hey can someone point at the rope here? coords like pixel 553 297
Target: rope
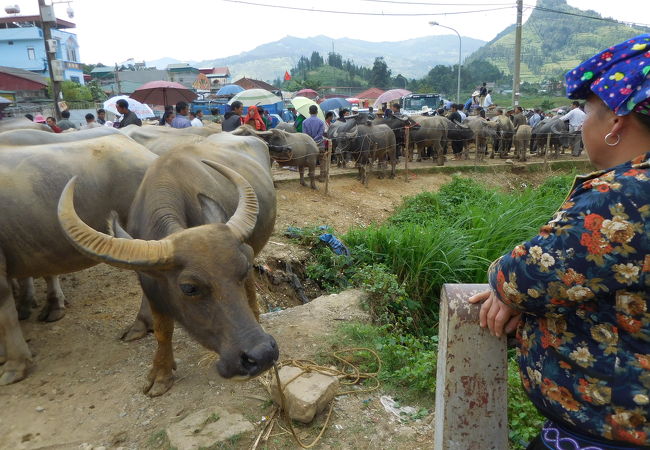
pixel 349 377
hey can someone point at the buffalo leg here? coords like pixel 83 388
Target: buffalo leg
pixel 54 308
pixel 142 325
pixel 312 176
pixel 18 358
pixel 301 171
pixel 161 376
pixel 25 299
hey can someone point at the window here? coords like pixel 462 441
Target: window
pixel 10 42
pixel 75 79
pixel 31 54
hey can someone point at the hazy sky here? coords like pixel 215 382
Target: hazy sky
pixel 111 31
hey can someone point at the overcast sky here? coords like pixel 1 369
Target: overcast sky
pixel 113 31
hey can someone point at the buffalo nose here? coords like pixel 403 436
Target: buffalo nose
pixel 261 357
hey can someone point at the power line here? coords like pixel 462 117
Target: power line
pixel 352 13
pixel 603 19
pixel 438 4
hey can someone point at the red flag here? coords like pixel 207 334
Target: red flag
pixel 287 76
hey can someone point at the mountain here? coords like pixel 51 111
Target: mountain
pixel 162 63
pixel 412 58
pixel 554 43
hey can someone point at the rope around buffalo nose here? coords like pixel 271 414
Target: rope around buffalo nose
pixel 349 377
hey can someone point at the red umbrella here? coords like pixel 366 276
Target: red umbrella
pixel 162 93
pixel 309 93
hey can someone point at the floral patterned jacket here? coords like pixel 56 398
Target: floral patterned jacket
pixel 584 288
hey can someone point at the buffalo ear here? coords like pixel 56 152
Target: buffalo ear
pixel 211 211
pixel 114 227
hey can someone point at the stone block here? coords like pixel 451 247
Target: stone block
pixel 206 429
pixel 305 396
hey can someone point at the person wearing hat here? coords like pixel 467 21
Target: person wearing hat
pixel 425 111
pixel 39 118
pixel 355 109
pixel 578 293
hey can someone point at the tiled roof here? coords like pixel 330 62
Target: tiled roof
pixel 26 74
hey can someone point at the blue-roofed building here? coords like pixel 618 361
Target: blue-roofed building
pixel 22 46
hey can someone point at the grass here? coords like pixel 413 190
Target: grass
pixel 450 236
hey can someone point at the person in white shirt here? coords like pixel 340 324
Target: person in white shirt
pixel 576 118
pixel 463 116
pixel 90 122
pixel 196 118
pixel 487 102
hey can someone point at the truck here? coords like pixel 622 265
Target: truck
pixel 412 103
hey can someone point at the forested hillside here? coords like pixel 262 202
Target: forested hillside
pixel 553 43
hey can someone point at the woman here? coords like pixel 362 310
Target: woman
pixel 254 119
pixel 578 292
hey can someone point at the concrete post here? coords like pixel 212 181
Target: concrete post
pixel 472 377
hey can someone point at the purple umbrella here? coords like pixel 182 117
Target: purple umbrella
pixel 163 93
pixel 391 95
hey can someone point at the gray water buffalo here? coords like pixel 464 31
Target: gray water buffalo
pixel 431 134
pixel 556 129
pixel 160 140
pixel 460 135
pixel 289 149
pixel 192 240
pixel 39 137
pixel 522 141
pixel 286 126
pixel 109 170
pixel 22 123
pixel 505 133
pixel 484 131
pixel 398 123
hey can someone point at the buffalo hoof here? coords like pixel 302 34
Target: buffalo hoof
pixel 320 179
pixel 314 187
pixel 24 311
pixel 302 183
pixel 14 372
pixel 51 313
pixel 159 381
pixel 3 355
pixel 137 330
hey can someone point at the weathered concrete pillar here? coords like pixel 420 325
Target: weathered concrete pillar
pixel 472 377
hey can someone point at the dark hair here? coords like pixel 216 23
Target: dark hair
pixel 482 113
pixel 169 108
pixel 396 106
pixel 484 83
pixel 90 116
pixel 643 119
pixel 370 109
pixel 180 106
pixel 576 103
pixel 260 110
pixel 489 91
pixel 101 110
pixel 122 103
pixel 65 114
pixel 214 111
pixel 236 105
pixel 50 117
pixel 192 113
pixel 519 108
pixel 30 117
pixel 329 114
pixel 313 109
pixel 343 111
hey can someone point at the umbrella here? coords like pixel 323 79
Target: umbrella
pixel 254 97
pixel 309 93
pixel 353 100
pixel 229 89
pixel 391 95
pixel 140 110
pixel 335 103
pixel 163 93
pixel 302 105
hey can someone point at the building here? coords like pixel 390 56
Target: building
pixel 249 83
pixel 20 85
pixel 22 46
pixel 218 76
pixel 182 73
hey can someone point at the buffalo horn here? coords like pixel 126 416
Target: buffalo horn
pixel 243 221
pixel 125 253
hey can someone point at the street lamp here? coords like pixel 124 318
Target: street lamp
pixel 460 50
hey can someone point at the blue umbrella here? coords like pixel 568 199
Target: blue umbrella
pixel 335 103
pixel 230 89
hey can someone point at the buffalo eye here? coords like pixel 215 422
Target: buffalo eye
pixel 190 289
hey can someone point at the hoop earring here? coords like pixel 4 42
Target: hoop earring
pixel 609 135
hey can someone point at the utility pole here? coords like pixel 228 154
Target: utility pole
pixel 47 13
pixel 516 79
pixel 117 80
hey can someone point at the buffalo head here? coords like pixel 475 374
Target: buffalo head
pixel 275 139
pixel 200 276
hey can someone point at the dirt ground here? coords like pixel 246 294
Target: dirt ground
pixel 86 385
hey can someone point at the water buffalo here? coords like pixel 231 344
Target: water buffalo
pixel 39 137
pixel 505 133
pixel 108 169
pixel 286 126
pixel 22 123
pixel 431 134
pixel 192 241
pixel 522 141
pixel 289 149
pixel 459 134
pixel 484 130
pixel 160 140
pixel 557 129
pixel 398 123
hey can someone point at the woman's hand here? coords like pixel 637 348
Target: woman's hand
pixel 496 315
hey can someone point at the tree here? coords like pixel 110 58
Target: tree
pixel 380 73
pixel 96 90
pixel 316 60
pixel 335 60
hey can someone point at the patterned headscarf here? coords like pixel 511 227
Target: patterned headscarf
pixel 619 75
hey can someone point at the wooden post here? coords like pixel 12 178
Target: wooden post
pixel 327 162
pixel 407 154
pixel 472 377
pixel 548 149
